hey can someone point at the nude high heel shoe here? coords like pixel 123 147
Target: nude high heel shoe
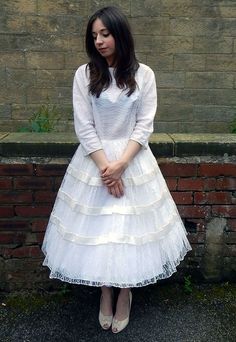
pixel 118 326
pixel 105 321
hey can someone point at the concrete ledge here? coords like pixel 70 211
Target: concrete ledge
pixel 162 145
pixel 38 145
pixel 204 144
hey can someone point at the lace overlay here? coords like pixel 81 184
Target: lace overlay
pixel 168 270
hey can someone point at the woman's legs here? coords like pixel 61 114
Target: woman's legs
pixel 121 318
pixel 106 301
pixel 123 306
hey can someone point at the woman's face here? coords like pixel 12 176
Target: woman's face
pixel 103 41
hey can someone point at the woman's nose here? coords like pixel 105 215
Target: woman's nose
pixel 99 39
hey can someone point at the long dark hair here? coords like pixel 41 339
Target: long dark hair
pixel 125 61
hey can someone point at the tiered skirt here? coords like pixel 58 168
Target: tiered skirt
pixel 96 239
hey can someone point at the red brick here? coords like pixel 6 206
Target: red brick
pixel 209 183
pixel 198 237
pixel 226 183
pixel 25 251
pixel 6 212
pixel 6 183
pixel 9 238
pixel 194 211
pixel 33 211
pixel 171 183
pixel 16 197
pixel 57 183
pixel 16 169
pixel 14 225
pixel 182 197
pixel 39 225
pixel 44 196
pixel 40 237
pixel 33 183
pixel 217 170
pixel 190 184
pixel 200 224
pixel 213 197
pixel 224 210
pixel 50 169
pixel 183 170
pixel 231 224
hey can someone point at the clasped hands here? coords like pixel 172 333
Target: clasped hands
pixel 111 177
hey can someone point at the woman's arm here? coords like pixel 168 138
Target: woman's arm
pixel 99 159
pixel 83 114
pixel 147 109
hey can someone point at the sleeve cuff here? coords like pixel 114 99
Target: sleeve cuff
pixel 143 144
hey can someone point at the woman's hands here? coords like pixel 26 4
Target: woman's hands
pixel 117 190
pixel 111 171
pixel 111 177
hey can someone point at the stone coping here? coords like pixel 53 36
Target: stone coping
pixel 161 144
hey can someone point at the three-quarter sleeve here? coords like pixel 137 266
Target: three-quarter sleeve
pixel 146 110
pixel 83 114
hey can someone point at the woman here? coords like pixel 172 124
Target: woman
pixel 114 222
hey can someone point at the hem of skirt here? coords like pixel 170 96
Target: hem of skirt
pixel 153 280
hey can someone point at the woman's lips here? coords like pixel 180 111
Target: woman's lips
pixel 102 49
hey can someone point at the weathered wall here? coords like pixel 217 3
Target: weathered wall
pixel 190 44
pixel 200 173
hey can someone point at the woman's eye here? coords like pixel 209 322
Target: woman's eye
pixel 105 35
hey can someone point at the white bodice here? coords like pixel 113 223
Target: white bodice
pixel 114 115
pixel 114 112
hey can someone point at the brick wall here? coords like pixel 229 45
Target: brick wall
pixel 203 186
pixel 191 46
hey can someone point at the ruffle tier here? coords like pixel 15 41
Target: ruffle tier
pixel 96 239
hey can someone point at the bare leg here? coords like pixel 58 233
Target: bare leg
pixel 106 301
pixel 122 306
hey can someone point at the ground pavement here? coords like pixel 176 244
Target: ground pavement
pixel 161 312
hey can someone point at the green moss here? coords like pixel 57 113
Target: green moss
pixel 206 293
pixel 28 302
pixel 200 293
pixel 25 302
pixel 220 291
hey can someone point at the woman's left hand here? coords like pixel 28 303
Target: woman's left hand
pixel 111 173
pixel 117 190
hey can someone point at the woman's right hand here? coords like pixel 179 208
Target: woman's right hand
pixel 116 190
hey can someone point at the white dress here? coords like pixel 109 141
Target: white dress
pixel 92 237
